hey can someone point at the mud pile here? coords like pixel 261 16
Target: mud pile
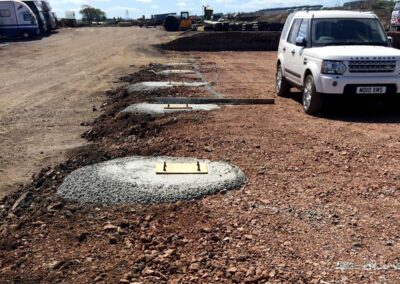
pixel 225 41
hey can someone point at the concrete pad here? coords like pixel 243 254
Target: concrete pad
pixel 158 109
pixel 162 85
pixel 174 64
pixel 189 84
pixel 134 180
pixel 176 72
pixel 148 86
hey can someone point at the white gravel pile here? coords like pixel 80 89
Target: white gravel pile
pixel 149 86
pixel 159 109
pixel 179 64
pixel 175 72
pixel 153 86
pixel 134 180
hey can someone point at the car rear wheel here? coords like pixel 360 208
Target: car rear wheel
pixel 312 102
pixel 282 85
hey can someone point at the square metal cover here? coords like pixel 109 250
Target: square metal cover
pixel 181 168
pixel 178 106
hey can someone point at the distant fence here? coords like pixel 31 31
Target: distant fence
pixel 236 41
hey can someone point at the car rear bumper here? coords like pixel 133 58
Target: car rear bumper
pixel 348 85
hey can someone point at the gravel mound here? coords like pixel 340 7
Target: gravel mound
pixel 157 109
pixel 134 180
pixel 174 64
pixel 148 86
pixel 174 72
pixel 153 86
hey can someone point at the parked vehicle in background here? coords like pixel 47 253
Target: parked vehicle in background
pixel 395 22
pixel 173 23
pixel 53 18
pixel 159 19
pixel 36 7
pixel 51 23
pixel 17 19
pixel 336 53
pixel 69 20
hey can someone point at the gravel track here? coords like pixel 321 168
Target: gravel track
pixel 49 86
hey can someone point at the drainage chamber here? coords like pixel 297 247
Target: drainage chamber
pixel 139 180
pixel 159 109
pixel 162 85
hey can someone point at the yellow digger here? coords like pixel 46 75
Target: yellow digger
pixel 186 22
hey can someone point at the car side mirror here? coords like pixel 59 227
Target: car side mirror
pixel 390 40
pixel 301 41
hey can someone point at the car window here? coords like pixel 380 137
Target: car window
pixel 347 31
pixel 4 13
pixel 303 30
pixel 397 6
pixel 294 31
pixel 28 17
pixel 287 26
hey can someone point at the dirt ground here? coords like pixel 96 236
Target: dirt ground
pixel 320 204
pixel 49 86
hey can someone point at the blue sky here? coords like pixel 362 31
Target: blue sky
pixel 137 8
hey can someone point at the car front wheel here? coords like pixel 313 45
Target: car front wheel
pixel 312 102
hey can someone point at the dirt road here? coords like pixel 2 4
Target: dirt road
pixel 48 87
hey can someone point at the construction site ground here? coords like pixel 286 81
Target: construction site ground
pixel 48 87
pixel 320 204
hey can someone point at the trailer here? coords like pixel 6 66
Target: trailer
pixel 50 20
pixel 54 20
pixel 17 19
pixel 37 9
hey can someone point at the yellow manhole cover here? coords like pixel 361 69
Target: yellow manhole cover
pixel 178 106
pixel 181 168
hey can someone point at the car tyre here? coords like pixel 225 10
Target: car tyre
pixel 282 85
pixel 312 102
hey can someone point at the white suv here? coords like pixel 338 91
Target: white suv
pixel 336 52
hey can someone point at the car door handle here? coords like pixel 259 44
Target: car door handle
pixel 284 49
pixel 293 52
